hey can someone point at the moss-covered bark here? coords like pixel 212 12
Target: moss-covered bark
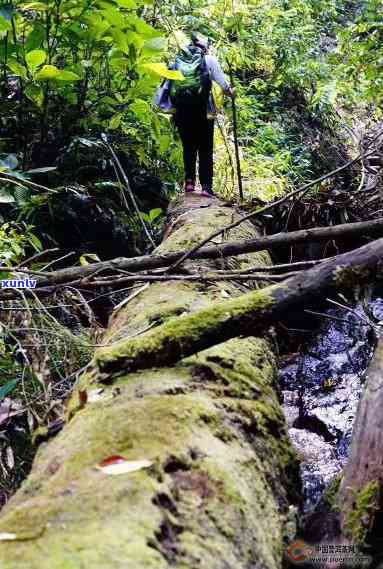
pixel 223 469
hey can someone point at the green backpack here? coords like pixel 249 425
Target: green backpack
pixel 194 90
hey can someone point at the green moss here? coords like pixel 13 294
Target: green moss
pixel 361 518
pixel 330 495
pixel 242 368
pixel 351 277
pixel 180 337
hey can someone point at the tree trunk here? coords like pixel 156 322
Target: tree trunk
pixel 360 494
pixel 223 471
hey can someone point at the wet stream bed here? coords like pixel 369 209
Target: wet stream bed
pixel 321 387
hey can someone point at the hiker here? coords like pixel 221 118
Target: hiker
pixel 195 110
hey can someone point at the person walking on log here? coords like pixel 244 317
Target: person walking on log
pixel 195 110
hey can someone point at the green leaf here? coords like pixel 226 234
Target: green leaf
pixel 115 17
pixel 115 121
pixel 7 388
pixel 87 258
pixel 17 68
pixel 35 38
pixel 5 25
pixel 129 4
pixel 47 72
pixel 35 58
pixel 65 75
pixel 35 242
pixel 154 213
pixel 35 94
pixel 97 25
pixel 154 45
pixel 141 109
pixel 144 29
pixel 120 40
pixel 163 71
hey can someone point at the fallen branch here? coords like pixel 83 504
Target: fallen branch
pixel 231 248
pixel 246 315
pixel 203 277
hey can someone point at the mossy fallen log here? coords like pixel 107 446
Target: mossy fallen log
pixel 223 471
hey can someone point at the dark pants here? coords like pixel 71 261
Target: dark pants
pixel 197 136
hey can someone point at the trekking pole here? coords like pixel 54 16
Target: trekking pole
pixel 235 132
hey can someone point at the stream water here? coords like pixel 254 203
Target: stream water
pixel 321 388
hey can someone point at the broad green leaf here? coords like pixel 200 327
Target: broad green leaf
pixel 7 388
pixel 134 39
pixel 163 71
pixel 17 68
pixel 144 29
pixel 64 75
pixel 114 17
pixel 154 45
pixel 35 38
pixel 154 213
pixel 35 94
pixel 98 25
pixel 47 72
pixel 120 40
pixel 35 58
pixel 164 142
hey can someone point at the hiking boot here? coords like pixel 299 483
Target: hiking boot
pixel 189 186
pixel 207 192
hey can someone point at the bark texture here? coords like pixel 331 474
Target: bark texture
pixel 360 493
pixel 223 474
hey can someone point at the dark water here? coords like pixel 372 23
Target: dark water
pixel 321 389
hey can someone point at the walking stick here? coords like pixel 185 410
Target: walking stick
pixel 235 132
